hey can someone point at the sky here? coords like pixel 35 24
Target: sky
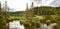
pixel 20 5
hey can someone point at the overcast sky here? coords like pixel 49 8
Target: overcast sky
pixel 20 5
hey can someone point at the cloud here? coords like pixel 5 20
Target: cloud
pixel 55 3
pixel 20 5
pixel 43 2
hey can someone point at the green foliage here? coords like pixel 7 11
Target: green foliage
pixel 35 22
pixel 48 22
pixel 18 13
pixel 44 10
pixel 25 22
pixel 2 22
pixel 31 22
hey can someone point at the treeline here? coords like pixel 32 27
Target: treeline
pixel 18 13
pixel 44 10
pixel 50 13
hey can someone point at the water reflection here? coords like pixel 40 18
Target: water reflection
pixel 15 25
pixel 44 26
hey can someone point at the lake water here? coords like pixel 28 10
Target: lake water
pixel 16 25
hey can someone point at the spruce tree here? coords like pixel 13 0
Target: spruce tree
pixel 0 17
pixel 2 20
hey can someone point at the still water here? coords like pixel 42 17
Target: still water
pixel 15 25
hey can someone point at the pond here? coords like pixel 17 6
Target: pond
pixel 15 25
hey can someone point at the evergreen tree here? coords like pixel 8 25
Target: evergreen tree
pixel 1 20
